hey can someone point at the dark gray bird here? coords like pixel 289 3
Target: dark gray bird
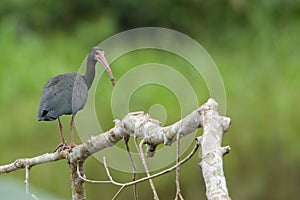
pixel 66 94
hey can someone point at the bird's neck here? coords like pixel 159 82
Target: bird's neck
pixel 90 72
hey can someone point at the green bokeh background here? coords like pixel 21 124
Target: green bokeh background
pixel 254 44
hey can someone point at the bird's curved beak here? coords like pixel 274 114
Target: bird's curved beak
pixel 101 58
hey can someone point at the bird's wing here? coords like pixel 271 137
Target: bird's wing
pixel 63 94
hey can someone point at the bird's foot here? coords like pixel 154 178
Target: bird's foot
pixel 69 148
pixel 61 147
pixel 64 146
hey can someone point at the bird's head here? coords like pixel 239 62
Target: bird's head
pixel 98 55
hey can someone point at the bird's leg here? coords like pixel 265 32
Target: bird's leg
pixel 61 131
pixel 72 143
pixel 63 145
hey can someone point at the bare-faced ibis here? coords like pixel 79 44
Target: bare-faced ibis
pixel 66 94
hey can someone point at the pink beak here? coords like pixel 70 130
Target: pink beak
pixel 103 60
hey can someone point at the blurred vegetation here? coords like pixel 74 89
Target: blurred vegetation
pixel 254 43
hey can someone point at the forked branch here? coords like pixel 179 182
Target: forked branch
pixel 139 124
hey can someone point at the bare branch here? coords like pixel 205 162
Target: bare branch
pixel 27 170
pixel 126 139
pixel 30 162
pixel 27 179
pixel 123 185
pixel 147 169
pixel 118 192
pixel 178 190
pixel 214 126
pixel 111 180
pixel 88 180
pixel 139 124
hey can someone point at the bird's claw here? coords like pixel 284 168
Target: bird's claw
pixel 61 147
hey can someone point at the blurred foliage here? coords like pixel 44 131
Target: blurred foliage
pixel 254 44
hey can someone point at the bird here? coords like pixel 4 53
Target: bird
pixel 66 94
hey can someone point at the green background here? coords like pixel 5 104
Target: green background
pixel 253 43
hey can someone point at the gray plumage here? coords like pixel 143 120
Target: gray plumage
pixel 66 94
pixel 62 95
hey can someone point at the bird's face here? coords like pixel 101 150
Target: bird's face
pixel 99 56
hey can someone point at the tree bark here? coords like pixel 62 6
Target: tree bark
pixel 139 124
pixel 78 186
pixel 214 126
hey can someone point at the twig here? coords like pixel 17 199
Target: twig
pixel 159 173
pixel 108 173
pixel 89 180
pixel 126 184
pixel 27 168
pixel 147 169
pixel 135 195
pixel 118 192
pixel 178 190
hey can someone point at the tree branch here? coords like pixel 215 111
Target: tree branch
pixel 111 180
pixel 139 124
pixel 214 126
pixel 30 162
